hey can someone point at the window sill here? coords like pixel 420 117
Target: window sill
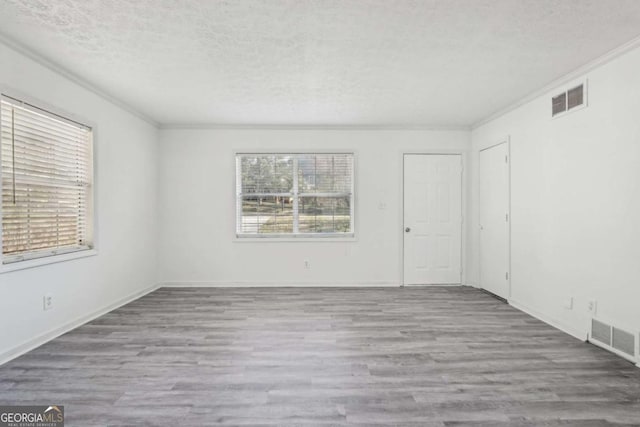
pixel 298 239
pixel 37 262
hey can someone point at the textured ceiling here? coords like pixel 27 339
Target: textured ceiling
pixel 320 62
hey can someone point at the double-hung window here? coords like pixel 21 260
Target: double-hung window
pixel 294 195
pixel 46 163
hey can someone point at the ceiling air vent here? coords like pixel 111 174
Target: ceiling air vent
pixel 568 100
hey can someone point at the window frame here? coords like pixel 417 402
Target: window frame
pixel 63 254
pixel 295 237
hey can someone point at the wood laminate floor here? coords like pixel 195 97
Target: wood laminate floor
pixel 324 356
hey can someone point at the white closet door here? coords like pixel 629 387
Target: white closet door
pixel 432 219
pixel 494 220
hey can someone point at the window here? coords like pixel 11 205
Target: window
pixel 294 195
pixel 46 183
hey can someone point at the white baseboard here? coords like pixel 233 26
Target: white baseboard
pixel 278 284
pixel 33 343
pixel 576 333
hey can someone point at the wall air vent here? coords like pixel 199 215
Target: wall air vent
pixel 614 339
pixel 569 100
pixel 575 97
pixel 559 103
pixel 623 341
pixel 601 332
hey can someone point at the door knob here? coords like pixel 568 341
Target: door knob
pixel 407 229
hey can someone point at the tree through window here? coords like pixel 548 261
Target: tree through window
pixel 294 194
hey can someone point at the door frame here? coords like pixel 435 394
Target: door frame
pixel 463 224
pixel 505 140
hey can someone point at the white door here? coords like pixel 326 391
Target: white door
pixel 494 219
pixel 432 219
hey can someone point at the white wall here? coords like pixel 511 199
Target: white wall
pixel 126 188
pixel 575 209
pixel 197 206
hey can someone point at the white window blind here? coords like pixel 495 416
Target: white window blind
pixel 46 183
pixel 292 195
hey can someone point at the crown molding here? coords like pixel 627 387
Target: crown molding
pixel 350 127
pixel 578 72
pixel 71 76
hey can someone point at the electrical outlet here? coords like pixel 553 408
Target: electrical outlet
pixel 382 206
pixel 47 302
pixel 592 307
pixel 307 264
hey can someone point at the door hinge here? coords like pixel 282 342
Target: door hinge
pixel 506 159
pixel 506 275
pixel 506 217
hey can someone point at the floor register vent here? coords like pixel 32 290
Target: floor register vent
pixel 613 339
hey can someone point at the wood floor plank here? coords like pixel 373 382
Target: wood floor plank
pixel 434 357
